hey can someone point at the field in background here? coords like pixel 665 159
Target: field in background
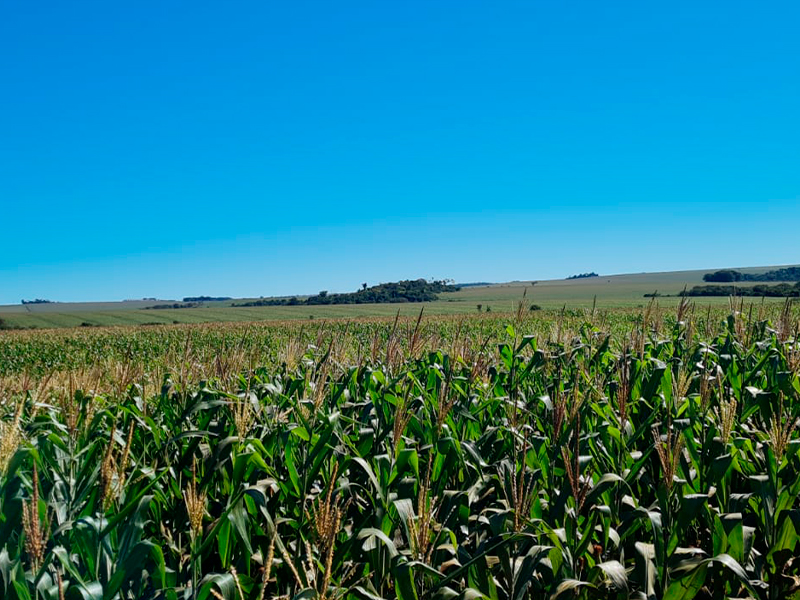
pixel 610 291
pixel 618 453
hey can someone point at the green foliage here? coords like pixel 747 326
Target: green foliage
pixel 729 275
pixel 658 460
pixel 173 305
pixel 416 290
pixel 780 290
pixel 723 276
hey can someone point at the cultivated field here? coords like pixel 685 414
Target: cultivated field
pixel 606 292
pixel 609 453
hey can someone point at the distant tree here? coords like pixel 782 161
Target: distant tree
pixel 488 309
pixel 480 306
pixel 363 286
pixel 173 305
pixel 206 298
pixel 724 276
pixel 400 291
pixel 781 290
pixel 729 275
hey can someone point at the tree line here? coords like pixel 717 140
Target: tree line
pixel 410 290
pixel 730 275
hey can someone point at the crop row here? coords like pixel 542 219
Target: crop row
pixel 658 460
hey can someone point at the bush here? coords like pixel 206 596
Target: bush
pixel 723 276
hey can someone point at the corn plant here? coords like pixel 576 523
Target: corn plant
pixel 509 457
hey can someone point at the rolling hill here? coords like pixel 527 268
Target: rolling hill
pixel 624 290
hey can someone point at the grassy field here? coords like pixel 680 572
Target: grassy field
pixel 609 291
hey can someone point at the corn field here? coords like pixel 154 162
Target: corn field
pixel 512 457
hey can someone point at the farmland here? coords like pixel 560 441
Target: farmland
pixel 624 291
pixel 577 453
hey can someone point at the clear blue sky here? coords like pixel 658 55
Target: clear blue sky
pixel 257 148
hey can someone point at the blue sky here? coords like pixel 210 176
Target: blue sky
pixel 256 148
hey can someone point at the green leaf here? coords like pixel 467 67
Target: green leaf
pixel 89 591
pixel 604 483
pixel 223 582
pixel 687 587
pixel 570 585
pixel 613 574
pixel 129 570
pixel 371 476
pixel 238 517
pixel 21 590
pixel 224 542
pixel 370 534
pixel 404 583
